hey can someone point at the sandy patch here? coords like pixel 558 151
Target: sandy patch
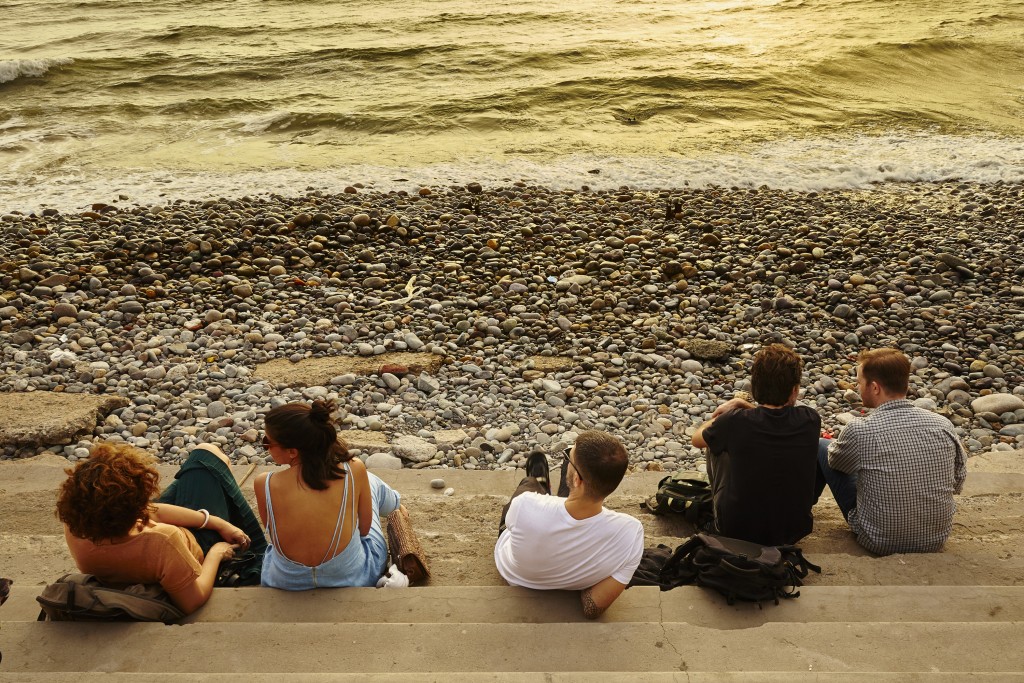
pixel 319 371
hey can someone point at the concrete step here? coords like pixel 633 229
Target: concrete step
pixel 458 532
pixel 509 605
pixel 244 648
pixel 864 618
pixel 525 677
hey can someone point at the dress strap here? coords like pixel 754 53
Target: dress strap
pixel 271 526
pixel 332 547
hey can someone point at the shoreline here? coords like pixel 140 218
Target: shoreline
pixel 175 307
pixel 852 161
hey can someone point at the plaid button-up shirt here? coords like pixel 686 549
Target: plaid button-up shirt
pixel 909 463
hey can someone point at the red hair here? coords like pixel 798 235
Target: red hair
pixel 108 494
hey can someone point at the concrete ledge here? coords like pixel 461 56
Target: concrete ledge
pixel 993 483
pixel 458 532
pixel 431 648
pixel 511 605
pixel 527 677
pixel 48 418
pixel 46 472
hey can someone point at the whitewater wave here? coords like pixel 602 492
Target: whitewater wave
pixel 260 123
pixel 29 68
pixel 854 163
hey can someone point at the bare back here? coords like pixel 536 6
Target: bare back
pixel 306 519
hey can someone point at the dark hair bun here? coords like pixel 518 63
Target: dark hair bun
pixel 320 412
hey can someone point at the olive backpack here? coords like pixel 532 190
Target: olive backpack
pixel 81 597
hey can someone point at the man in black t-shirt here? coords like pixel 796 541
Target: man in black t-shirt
pixel 763 460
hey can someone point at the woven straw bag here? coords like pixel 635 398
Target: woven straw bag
pixel 405 548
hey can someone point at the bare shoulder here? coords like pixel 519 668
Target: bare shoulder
pixel 259 484
pixel 357 467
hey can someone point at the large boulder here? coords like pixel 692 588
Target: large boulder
pixel 705 349
pixel 383 461
pixel 997 403
pixel 366 441
pixel 320 371
pixel 50 418
pixel 413 448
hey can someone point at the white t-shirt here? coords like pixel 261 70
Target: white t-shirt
pixel 544 547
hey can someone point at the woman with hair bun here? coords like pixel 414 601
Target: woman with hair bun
pixel 322 513
pixel 116 531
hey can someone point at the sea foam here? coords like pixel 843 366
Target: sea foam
pixel 29 68
pixel 857 162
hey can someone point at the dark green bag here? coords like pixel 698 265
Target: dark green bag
pixel 685 495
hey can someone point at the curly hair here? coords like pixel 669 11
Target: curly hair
pixel 106 495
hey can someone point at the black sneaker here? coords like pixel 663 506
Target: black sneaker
pixel 537 467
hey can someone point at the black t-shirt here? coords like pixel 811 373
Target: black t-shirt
pixel 762 465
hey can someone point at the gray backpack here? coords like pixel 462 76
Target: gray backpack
pixel 81 597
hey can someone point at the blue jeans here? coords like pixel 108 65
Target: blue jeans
pixel 385 501
pixel 842 485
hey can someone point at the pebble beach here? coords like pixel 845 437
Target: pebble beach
pixel 542 312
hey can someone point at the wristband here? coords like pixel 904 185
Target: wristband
pixel 206 518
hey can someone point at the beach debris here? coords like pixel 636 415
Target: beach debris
pixel 410 293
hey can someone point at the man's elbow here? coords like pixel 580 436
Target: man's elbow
pixel 591 610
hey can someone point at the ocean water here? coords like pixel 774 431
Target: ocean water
pixel 160 99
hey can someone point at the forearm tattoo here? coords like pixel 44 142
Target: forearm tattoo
pixel 590 608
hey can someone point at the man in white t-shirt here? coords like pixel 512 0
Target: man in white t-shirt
pixel 573 543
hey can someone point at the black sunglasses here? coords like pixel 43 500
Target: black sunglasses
pixel 569 460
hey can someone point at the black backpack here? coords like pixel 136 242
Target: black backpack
pixel 81 597
pixel 688 496
pixel 737 569
pixel 648 572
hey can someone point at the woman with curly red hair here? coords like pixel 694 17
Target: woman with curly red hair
pixel 116 531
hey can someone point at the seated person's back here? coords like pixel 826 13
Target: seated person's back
pixel 313 526
pixel 763 464
pixel 894 473
pixel 572 542
pixel 906 478
pixel 116 530
pixel 545 547
pixel 322 513
pixel 762 460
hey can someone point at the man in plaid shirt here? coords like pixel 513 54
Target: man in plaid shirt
pixel 894 473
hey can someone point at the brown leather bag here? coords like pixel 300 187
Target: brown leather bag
pixel 404 547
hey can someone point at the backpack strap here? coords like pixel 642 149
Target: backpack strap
pixel 679 568
pixel 795 560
